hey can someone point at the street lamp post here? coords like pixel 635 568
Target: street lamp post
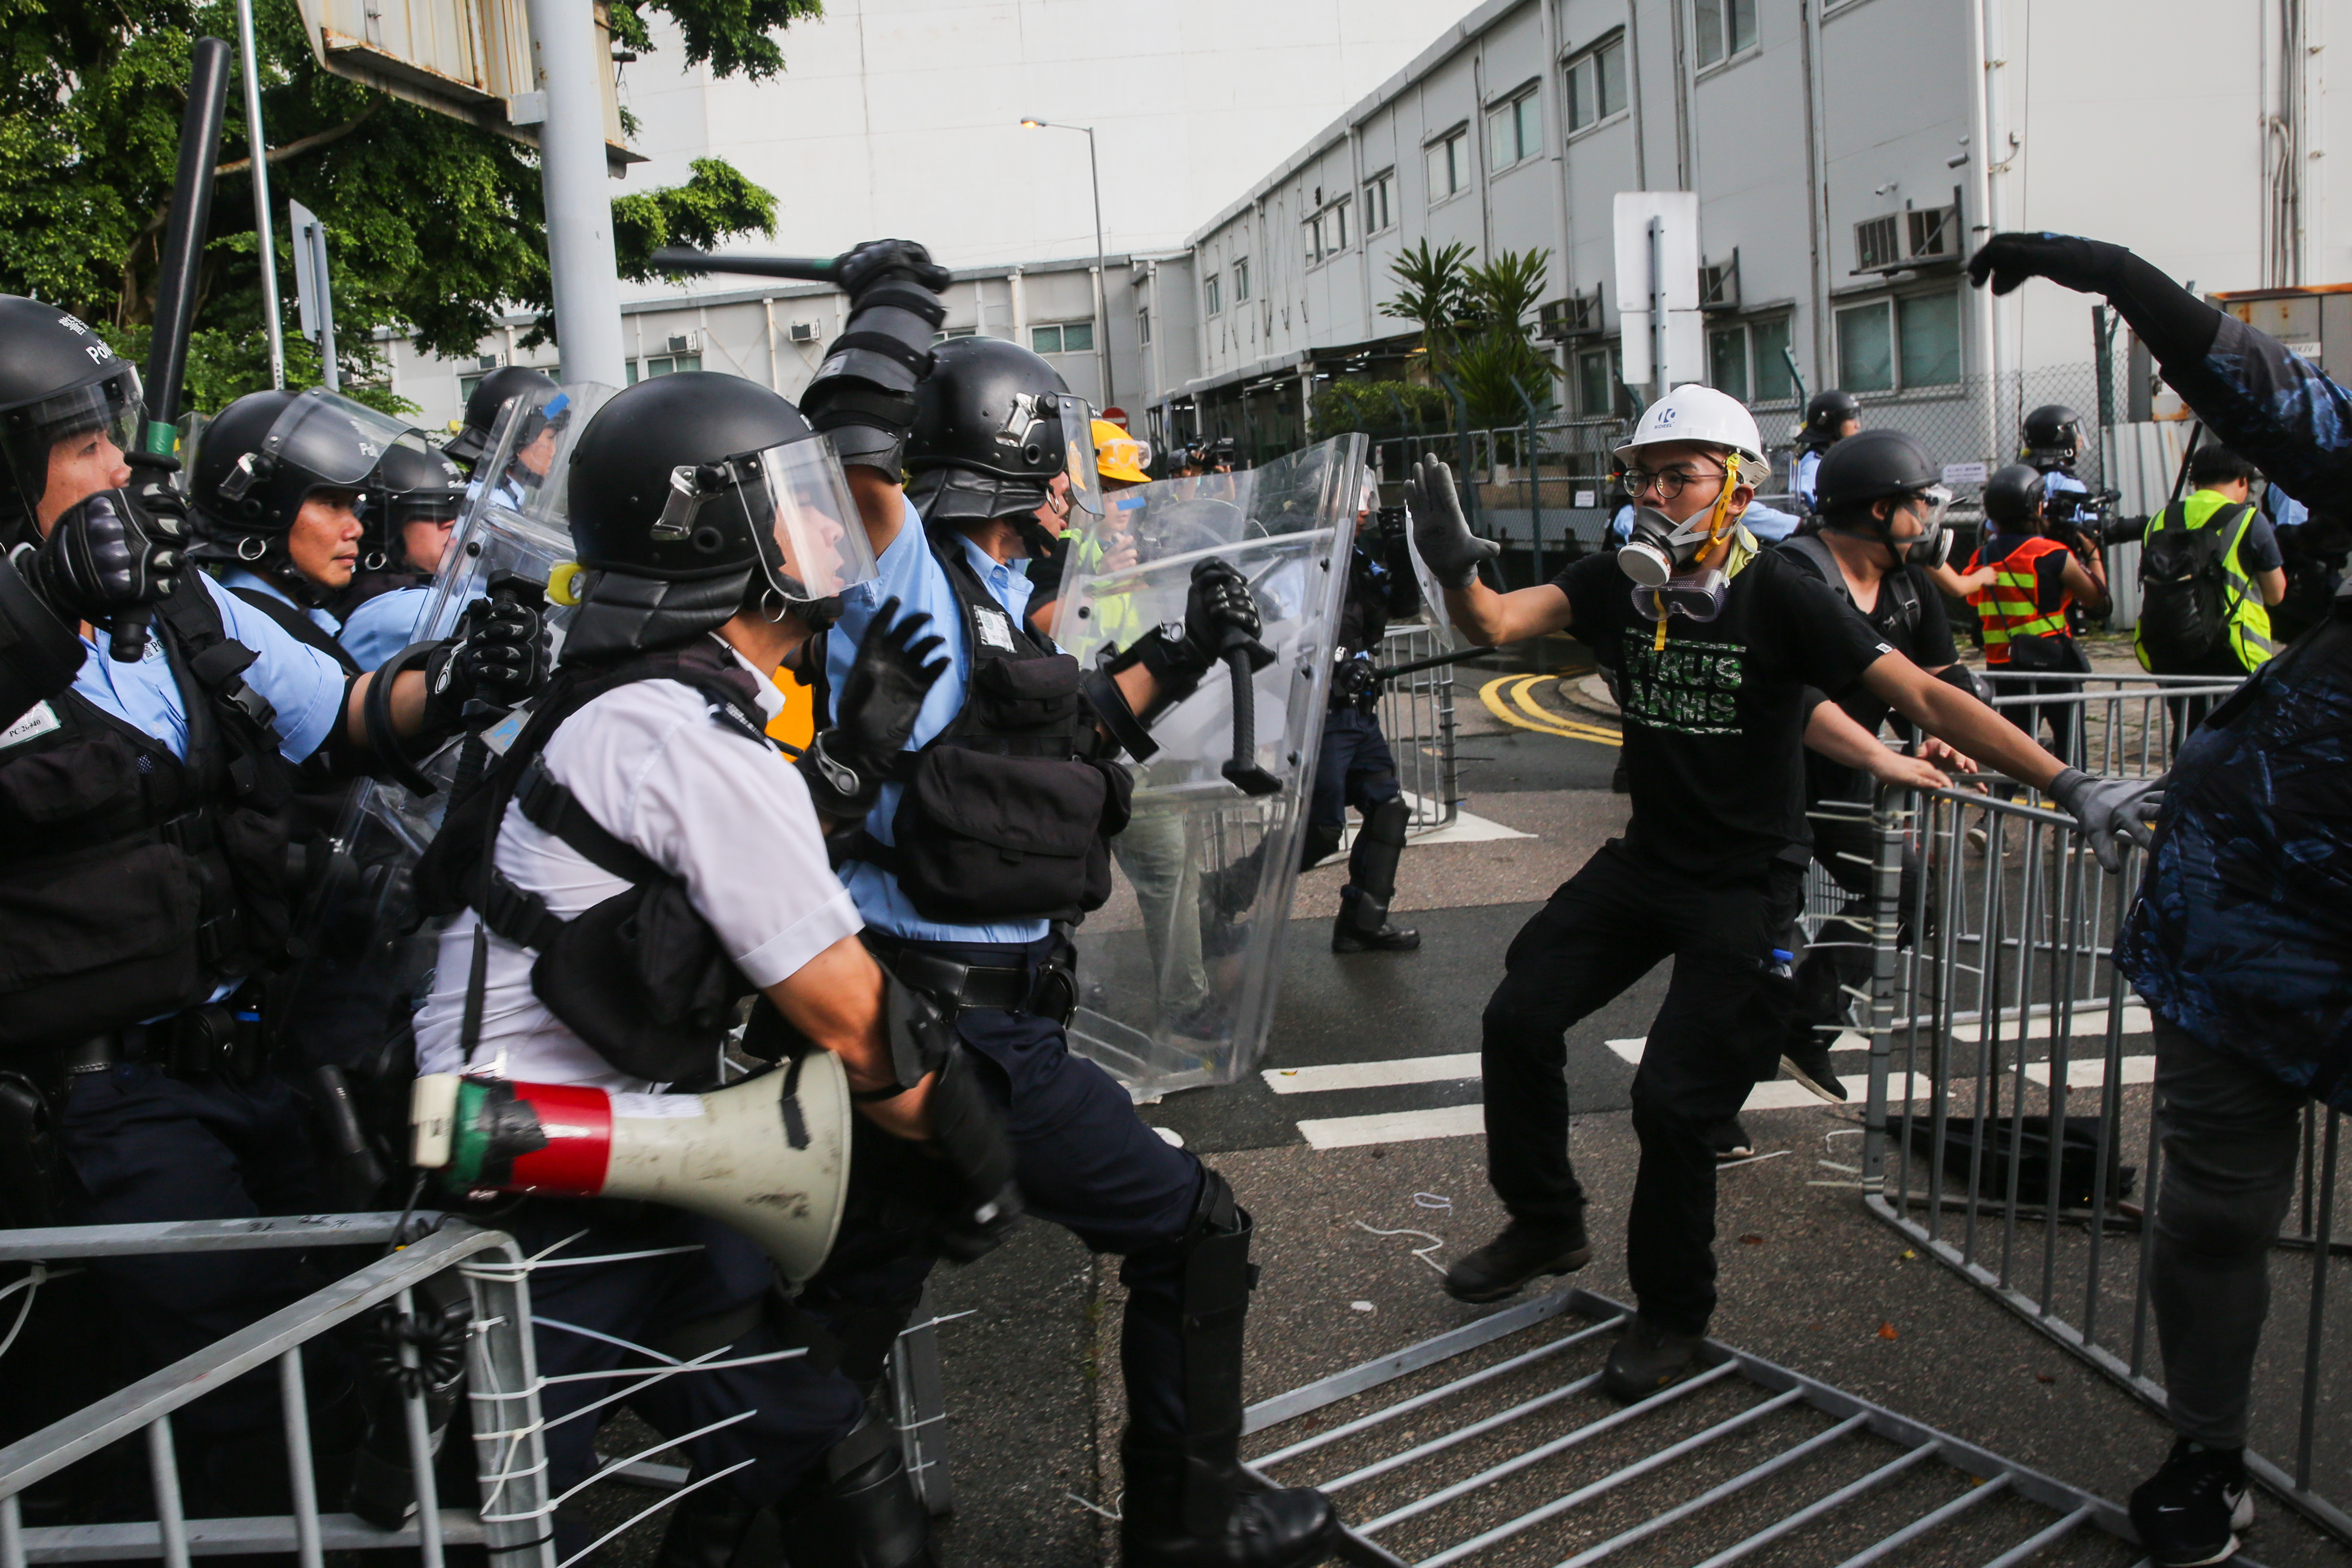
pixel 1102 280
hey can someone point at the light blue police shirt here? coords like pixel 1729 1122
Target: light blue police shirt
pixel 912 575
pixel 306 686
pixel 1800 476
pixel 2058 481
pixel 384 624
pixel 508 492
pixel 239 577
pixel 1769 523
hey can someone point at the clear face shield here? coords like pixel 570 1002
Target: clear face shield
pixel 83 432
pixel 324 434
pixel 795 497
pixel 1077 420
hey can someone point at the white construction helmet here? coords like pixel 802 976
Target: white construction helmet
pixel 1701 413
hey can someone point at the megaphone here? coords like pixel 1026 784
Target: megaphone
pixel 768 1156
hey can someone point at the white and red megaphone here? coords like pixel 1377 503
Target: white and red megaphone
pixel 768 1156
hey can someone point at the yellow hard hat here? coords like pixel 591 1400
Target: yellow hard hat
pixel 1120 456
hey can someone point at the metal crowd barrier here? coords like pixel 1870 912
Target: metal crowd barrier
pixel 2012 1129
pixel 1417 716
pixel 511 1520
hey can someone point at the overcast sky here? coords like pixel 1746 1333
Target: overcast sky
pixel 899 117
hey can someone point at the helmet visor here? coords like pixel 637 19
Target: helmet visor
pixel 89 427
pixel 1079 452
pixel 796 496
pixel 333 440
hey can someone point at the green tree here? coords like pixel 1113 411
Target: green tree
pixel 1474 326
pixel 436 225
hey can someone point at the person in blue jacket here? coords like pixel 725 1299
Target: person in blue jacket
pixel 2240 940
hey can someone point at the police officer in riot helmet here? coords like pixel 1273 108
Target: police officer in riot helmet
pixel 144 822
pixel 1831 416
pixel 407 512
pixel 981 427
pixel 715 528
pixel 471 444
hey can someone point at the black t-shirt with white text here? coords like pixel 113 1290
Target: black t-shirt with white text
pixel 1714 721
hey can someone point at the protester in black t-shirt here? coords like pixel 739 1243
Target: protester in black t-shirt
pixel 1862 487
pixel 1713 663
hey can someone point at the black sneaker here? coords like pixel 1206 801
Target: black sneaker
pixel 2189 1512
pixel 1730 1140
pixel 1526 1248
pixel 1809 1064
pixel 1646 1358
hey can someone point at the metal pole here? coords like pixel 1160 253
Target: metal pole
pixel 1658 382
pixel 581 267
pixel 1535 485
pixel 257 144
pixel 1102 275
pixel 328 372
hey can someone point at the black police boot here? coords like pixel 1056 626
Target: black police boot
pixel 1526 1249
pixel 858 1508
pixel 382 1485
pixel 1188 1504
pixel 1362 926
pixel 2189 1512
pixel 1646 1358
pixel 706 1527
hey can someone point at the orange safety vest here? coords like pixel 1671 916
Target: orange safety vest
pixel 2010 606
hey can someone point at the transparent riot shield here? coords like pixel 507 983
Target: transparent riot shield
pixel 1178 973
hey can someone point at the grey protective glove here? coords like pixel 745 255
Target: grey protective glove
pixel 1440 531
pixel 2110 809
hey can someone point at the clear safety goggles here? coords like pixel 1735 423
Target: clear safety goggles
pixel 326 435
pixel 797 496
pixel 1126 452
pixel 1697 597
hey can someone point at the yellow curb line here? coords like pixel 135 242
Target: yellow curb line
pixel 1535 717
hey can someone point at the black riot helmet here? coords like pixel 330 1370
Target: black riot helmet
pixel 715 485
pixel 413 482
pixel 472 441
pixel 2053 436
pixel 58 380
pixel 2013 499
pixel 1825 415
pixel 257 460
pixel 994 424
pixel 1871 465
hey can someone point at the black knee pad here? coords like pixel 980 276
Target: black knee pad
pixel 858 1508
pixel 1372 863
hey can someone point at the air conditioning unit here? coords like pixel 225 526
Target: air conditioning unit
pixel 1878 243
pixel 1718 284
pixel 488 361
pixel 804 332
pixel 1934 233
pixel 683 343
pixel 1916 236
pixel 1577 316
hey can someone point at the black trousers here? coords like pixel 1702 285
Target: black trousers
pixel 1717 1036
pixel 1085 1160
pixel 2229 1136
pixel 1353 766
pixel 1837 961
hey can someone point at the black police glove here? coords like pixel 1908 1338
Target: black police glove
pixel 2007 260
pixel 847 764
pixel 498 658
pixel 1352 684
pixel 968 1134
pixel 105 557
pixel 1220 614
pixel 884 261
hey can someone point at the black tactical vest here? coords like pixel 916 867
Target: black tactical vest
pixel 133 883
pixel 1008 812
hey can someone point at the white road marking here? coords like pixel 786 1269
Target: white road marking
pixel 1394 1127
pixel 1370 1075
pixel 2093 1074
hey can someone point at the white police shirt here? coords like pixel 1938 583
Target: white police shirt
pixel 727 814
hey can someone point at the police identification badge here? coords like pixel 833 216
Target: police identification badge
pixel 995 629
pixel 39 722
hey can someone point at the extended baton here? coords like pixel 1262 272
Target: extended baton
pixel 801 268
pixel 1389 672
pixel 175 282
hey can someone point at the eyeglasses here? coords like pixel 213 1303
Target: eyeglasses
pixel 1670 482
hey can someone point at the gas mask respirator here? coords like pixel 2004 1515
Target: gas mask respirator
pixel 1657 558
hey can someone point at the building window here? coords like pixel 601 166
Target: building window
pixel 1515 130
pixel 1889 345
pixel 1213 293
pixel 1379 192
pixel 1449 164
pixel 661 365
pixel 1745 359
pixel 1596 384
pixel 1724 28
pixel 1596 83
pixel 1241 280
pixel 1065 338
pixel 1143 325
pixel 1327 232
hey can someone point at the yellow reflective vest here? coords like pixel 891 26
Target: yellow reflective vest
pixel 2250 618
